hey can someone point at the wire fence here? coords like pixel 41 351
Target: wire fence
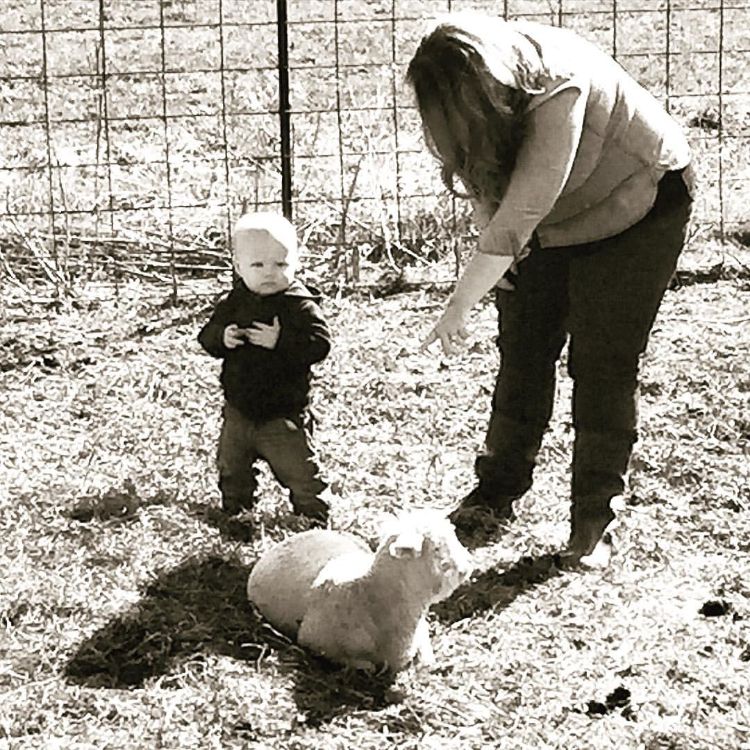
pixel 132 134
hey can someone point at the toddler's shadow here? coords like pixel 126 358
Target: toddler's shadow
pixel 231 528
pixel 201 606
pixel 244 528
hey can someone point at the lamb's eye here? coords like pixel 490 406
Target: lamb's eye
pixel 445 566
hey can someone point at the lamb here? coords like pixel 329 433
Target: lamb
pixel 358 608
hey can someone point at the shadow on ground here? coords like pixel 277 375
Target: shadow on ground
pixel 246 526
pixel 200 607
pixel 494 588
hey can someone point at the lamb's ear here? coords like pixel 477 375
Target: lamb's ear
pixel 406 544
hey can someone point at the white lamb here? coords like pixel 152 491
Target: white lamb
pixel 362 609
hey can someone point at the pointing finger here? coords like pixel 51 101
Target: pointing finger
pixel 429 340
pixel 448 346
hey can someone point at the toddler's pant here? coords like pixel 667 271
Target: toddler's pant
pixel 283 443
pixel 605 295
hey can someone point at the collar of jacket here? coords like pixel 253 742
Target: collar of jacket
pixel 295 289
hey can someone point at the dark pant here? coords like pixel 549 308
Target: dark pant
pixel 605 295
pixel 283 443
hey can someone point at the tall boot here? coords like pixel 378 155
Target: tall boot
pixel 531 335
pixel 506 467
pixel 600 463
pixel 504 471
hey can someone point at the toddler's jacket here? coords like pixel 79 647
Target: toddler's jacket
pixel 262 383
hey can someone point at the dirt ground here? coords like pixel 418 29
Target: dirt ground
pixel 123 608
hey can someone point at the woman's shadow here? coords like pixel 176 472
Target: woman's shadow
pixel 494 589
pixel 201 607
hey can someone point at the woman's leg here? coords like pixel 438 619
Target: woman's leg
pixel 615 289
pixel 531 322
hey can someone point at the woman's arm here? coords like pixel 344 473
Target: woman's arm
pixel 480 274
pixel 542 168
pixel 543 165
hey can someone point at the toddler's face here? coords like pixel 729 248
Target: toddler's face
pixel 264 264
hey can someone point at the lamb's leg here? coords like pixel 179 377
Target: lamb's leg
pixel 423 652
pixel 326 630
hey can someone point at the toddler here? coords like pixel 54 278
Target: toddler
pixel 268 331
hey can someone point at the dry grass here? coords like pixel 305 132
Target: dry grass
pixel 122 608
pixel 123 611
pixel 95 155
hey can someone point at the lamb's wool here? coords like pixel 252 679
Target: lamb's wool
pixel 353 606
pixel 281 581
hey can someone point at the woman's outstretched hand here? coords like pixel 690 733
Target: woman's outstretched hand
pixel 450 330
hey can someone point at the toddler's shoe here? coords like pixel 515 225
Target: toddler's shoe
pixel 315 509
pixel 233 506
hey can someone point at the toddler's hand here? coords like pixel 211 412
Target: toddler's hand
pixel 233 336
pixel 262 334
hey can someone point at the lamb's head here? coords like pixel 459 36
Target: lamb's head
pixel 431 557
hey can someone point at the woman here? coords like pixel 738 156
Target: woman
pixel 579 179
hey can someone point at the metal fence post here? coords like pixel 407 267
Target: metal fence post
pixel 284 109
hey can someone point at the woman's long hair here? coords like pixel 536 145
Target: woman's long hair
pixel 473 76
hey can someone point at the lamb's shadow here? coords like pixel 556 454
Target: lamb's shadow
pixel 198 606
pixel 201 607
pixel 494 588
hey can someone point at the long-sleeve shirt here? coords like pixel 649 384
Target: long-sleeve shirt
pixel 595 146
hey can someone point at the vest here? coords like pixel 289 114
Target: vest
pixel 628 141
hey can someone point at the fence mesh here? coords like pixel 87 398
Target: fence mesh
pixel 132 134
